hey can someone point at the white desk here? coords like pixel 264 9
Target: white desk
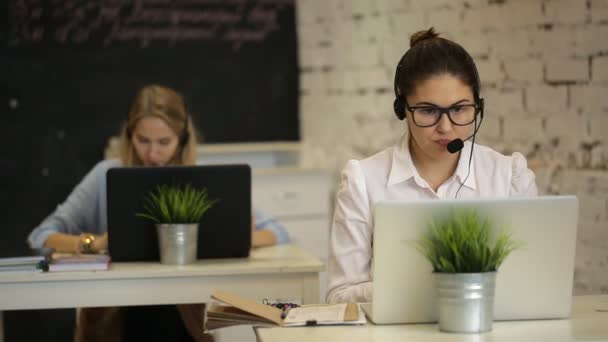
pixel 585 324
pixel 273 272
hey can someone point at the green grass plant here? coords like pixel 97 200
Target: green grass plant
pixel 176 204
pixel 462 242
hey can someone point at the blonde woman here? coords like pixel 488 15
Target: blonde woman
pixel 158 132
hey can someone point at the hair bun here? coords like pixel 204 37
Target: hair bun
pixel 420 36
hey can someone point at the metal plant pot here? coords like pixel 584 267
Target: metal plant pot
pixel 177 243
pixel 465 301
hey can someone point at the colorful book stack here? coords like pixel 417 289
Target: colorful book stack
pixel 82 262
pixel 36 260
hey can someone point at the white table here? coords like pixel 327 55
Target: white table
pixel 273 272
pixel 585 324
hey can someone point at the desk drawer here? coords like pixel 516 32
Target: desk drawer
pixel 291 194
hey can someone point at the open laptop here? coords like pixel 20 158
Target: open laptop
pixel 224 230
pixel 534 282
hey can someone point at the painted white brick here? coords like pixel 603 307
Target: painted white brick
pixel 445 20
pixel 598 4
pixel 509 45
pixel 490 127
pixel 359 7
pixel 599 69
pixel 404 24
pixel 489 71
pixel 383 107
pixel 374 78
pixel 358 104
pixel 546 99
pixel 599 15
pixel 374 28
pixel 341 81
pixel 569 126
pixel 589 98
pixel 491 17
pixel 311 35
pixel 475 43
pixel 503 103
pixel 599 127
pixel 567 70
pixel 336 53
pixel 390 6
pixel 523 13
pixel 569 182
pixel 593 234
pixel 525 70
pixel 566 11
pixel 592 208
pixel 313 82
pixel 364 55
pixel 591 40
pixel 314 57
pixel 559 41
pixel 343 32
pixel 593 182
pixel 334 10
pixel 521 128
pixel 391 54
pixel 308 11
pixel 434 4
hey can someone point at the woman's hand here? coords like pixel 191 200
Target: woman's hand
pixel 100 244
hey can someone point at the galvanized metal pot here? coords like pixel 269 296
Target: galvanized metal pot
pixel 465 301
pixel 177 243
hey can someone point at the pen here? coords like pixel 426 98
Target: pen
pixel 285 311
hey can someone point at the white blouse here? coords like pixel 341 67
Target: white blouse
pixel 391 175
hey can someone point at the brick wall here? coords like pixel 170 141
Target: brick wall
pixel 544 71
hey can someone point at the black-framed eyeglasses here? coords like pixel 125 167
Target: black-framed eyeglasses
pixel 459 115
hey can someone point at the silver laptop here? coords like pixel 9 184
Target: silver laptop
pixel 534 282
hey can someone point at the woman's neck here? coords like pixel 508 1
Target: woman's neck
pixel 435 171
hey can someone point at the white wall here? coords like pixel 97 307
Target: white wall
pixel 544 71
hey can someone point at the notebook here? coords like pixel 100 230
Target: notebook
pixel 534 282
pixel 234 310
pixel 224 230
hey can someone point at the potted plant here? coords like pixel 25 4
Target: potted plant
pixel 465 252
pixel 176 211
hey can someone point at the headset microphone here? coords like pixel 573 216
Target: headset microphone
pixel 455 145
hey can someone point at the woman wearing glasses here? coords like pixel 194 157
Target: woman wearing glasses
pixel 437 94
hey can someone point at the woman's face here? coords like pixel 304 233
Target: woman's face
pixel 443 90
pixel 154 141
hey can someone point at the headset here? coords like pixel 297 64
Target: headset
pixel 184 137
pixel 399 104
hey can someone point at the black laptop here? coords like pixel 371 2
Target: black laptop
pixel 224 230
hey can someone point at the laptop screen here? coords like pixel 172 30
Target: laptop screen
pixel 224 230
pixel 534 282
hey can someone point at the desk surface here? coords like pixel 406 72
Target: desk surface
pixel 273 272
pixel 585 324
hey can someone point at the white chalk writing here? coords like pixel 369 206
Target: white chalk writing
pixel 109 22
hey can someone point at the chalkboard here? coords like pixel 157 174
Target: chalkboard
pixel 70 68
pixel 82 61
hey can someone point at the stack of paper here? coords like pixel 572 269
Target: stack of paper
pixel 81 262
pixel 36 261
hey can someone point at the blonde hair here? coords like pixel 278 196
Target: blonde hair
pixel 168 105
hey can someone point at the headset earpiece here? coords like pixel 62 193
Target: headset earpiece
pixel 398 104
pixel 399 108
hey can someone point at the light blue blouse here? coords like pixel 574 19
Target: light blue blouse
pixel 85 211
